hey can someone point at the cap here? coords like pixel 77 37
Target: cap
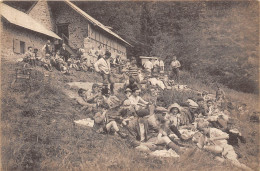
pixel 142 112
pixel 108 54
pixel 128 90
pixel 192 104
pixel 200 99
pixel 95 85
pixel 174 105
pixel 161 109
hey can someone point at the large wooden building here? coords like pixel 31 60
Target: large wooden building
pixel 65 21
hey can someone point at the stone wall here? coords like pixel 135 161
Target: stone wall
pixel 78 25
pixel 42 13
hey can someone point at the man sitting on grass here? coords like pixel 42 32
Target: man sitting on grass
pixel 145 138
pixel 110 99
pixel 61 64
pixel 201 110
pixel 175 119
pixel 89 98
pixel 137 101
pixel 132 84
pixel 106 125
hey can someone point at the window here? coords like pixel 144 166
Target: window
pixel 19 46
pixel 22 47
pixel 16 46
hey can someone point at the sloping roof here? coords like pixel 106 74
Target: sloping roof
pixel 21 19
pixel 94 21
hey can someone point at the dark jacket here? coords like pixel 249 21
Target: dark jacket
pixel 48 49
pixel 201 110
pixel 64 53
pixel 136 134
pixel 189 115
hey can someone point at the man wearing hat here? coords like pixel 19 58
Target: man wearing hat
pixel 191 111
pixel 102 66
pixel 175 65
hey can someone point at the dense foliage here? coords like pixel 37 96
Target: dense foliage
pixel 215 41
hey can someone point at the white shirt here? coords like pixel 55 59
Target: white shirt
pixel 156 63
pixel 102 65
pixel 214 132
pixel 135 100
pixel 148 65
pixel 175 64
pixel 155 81
pixel 161 63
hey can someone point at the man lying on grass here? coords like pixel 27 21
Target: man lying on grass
pixel 215 141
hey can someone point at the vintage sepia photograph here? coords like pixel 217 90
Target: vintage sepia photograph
pixel 129 85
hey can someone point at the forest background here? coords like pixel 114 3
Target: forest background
pixel 214 41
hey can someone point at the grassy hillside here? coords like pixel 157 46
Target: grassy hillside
pixel 38 132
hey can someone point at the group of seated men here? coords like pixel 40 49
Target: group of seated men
pixel 147 126
pixel 61 59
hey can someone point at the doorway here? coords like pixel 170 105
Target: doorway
pixel 63 31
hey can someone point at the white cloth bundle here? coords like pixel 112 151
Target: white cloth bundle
pixel 85 122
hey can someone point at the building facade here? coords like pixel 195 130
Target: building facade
pixel 19 31
pixel 74 26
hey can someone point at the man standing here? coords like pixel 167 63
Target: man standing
pixel 47 53
pixel 175 65
pixel 103 67
pixel 161 64
pixel 156 63
pixel 47 49
pixel 30 57
pixel 133 70
pixel 220 94
pixel 148 66
pixel 64 53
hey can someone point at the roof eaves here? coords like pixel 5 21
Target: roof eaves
pixel 94 21
pixel 17 17
pixel 33 5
